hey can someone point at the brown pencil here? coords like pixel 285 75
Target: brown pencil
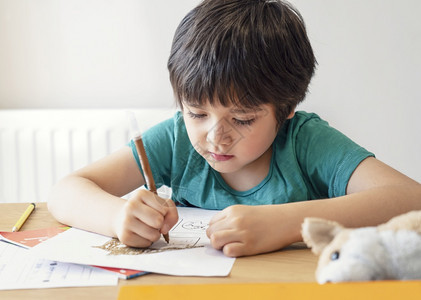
pixel 144 162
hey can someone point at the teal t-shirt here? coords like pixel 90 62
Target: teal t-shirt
pixel 310 160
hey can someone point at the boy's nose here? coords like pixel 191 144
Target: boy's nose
pixel 220 134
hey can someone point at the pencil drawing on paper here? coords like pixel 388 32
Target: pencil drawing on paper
pixel 115 247
pixel 191 226
pixel 195 225
pixel 187 234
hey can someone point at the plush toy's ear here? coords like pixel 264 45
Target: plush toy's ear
pixel 318 233
pixel 408 221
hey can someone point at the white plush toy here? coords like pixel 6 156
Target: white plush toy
pixel 389 251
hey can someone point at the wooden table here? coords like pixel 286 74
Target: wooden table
pixel 293 264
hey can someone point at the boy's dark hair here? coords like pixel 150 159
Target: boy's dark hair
pixel 242 52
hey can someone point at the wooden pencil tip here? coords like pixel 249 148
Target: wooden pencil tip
pixel 166 237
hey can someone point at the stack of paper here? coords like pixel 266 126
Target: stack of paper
pixel 21 270
pixel 188 253
pixel 63 257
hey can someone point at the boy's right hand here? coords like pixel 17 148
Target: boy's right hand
pixel 143 219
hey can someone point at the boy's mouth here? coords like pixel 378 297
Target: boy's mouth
pixel 220 157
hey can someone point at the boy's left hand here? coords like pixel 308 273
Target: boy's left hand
pixel 241 230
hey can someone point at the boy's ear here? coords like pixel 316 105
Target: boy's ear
pixel 318 233
pixel 291 115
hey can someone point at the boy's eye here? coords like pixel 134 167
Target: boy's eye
pixel 195 116
pixel 244 122
pixel 236 121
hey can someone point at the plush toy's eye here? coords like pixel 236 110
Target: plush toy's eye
pixel 334 255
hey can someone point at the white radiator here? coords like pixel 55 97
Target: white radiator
pixel 38 147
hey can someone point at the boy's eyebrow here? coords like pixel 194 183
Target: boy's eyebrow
pixel 234 110
pixel 240 110
pixel 195 105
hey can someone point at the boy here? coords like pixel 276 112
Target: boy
pixel 238 69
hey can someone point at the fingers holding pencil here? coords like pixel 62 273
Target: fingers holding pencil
pixel 166 207
pixel 144 218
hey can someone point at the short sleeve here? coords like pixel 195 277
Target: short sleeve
pixel 158 142
pixel 327 157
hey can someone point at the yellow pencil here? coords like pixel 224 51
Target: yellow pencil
pixel 24 217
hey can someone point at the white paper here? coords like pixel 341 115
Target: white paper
pixel 189 252
pixel 20 270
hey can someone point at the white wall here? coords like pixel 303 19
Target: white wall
pixel 369 74
pixel 86 53
pixel 112 54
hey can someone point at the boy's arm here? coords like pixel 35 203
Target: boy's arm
pixel 90 198
pixel 375 193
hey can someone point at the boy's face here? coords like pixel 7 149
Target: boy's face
pixel 231 139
